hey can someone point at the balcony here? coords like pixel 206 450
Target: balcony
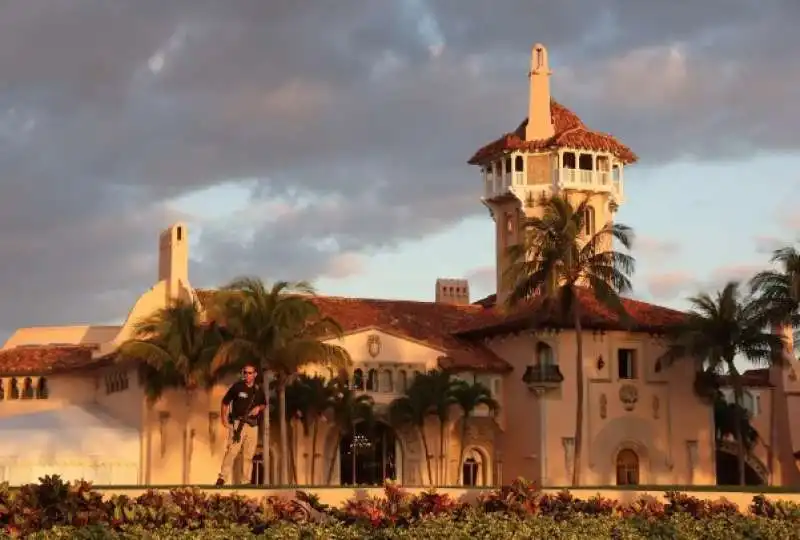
pixel 579 179
pixel 542 377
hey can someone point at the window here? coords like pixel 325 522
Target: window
pixel 402 380
pixel 627 468
pixel 519 163
pixel 588 221
pixel 386 381
pixel 508 165
pixel 372 381
pixel 42 392
pixel 626 363
pixel 568 160
pixel 544 354
pixel 358 380
pixel 14 392
pixel 472 469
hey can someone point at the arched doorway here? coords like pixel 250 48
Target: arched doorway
pixel 369 456
pixel 627 468
pixel 474 469
pixel 728 471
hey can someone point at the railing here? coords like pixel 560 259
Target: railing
pixel 542 373
pixel 594 180
pixel 499 183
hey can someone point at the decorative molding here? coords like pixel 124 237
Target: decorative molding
pixel 629 396
pixel 374 345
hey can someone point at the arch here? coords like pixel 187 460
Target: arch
pixel 372 380
pixel 519 164
pixel 545 356
pixel 627 466
pixel 369 456
pixel 402 381
pixel 475 467
pixel 358 379
pixel 27 388
pixel 755 472
pixel 42 391
pixel 14 389
pixel 589 221
pixel 386 381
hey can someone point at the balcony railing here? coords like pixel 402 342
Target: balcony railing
pixel 542 375
pixel 496 184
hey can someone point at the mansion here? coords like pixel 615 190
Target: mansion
pixel 67 408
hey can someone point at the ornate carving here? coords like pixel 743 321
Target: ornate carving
pixel 656 407
pixel 603 405
pixel 374 345
pixel 629 396
pixel 569 453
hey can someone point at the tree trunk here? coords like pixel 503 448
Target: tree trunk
pixel 353 451
pixel 266 470
pixel 576 461
pixel 187 439
pixel 737 428
pixel 292 442
pixel 442 457
pixel 332 462
pixel 284 472
pixel 463 444
pixel 314 432
pixel 427 453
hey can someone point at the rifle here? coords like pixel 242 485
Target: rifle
pixel 246 419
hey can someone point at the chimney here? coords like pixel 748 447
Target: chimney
pixel 540 121
pixel 452 291
pixel 173 259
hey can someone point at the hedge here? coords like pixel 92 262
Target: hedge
pixel 54 509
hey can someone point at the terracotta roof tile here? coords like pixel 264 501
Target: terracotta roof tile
pixel 493 319
pixel 569 132
pixel 752 378
pixel 426 322
pixel 47 359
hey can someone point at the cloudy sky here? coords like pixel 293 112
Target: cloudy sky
pixel 328 140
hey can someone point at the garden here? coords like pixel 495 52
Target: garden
pixel 55 509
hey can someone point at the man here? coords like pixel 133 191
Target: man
pixel 243 405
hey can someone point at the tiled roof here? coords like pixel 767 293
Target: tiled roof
pixel 493 319
pixel 569 132
pixel 752 378
pixel 426 322
pixel 47 359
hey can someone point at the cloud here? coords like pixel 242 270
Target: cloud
pixel 351 125
pixel 669 285
pixel 655 248
pixel 482 281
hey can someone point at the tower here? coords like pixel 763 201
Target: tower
pixel 551 152
pixel 173 260
pixel 784 454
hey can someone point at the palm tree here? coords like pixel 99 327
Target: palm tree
pixel 469 397
pixel 308 399
pixel 441 387
pixel 778 291
pixel 558 262
pixel 176 350
pixel 414 408
pixel 281 328
pixel 348 409
pixel 716 331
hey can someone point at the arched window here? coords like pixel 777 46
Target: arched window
pixel 519 163
pixel 386 381
pixel 358 379
pixel 372 380
pixel 2 389
pixel 42 392
pixel 27 388
pixel 627 468
pixel 473 469
pixel 14 392
pixel 544 355
pixel 568 160
pixel 402 380
pixel 588 221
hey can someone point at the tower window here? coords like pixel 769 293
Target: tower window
pixel 585 162
pixel 508 165
pixel 568 160
pixel 519 163
pixel 179 233
pixel 588 221
pixel 626 363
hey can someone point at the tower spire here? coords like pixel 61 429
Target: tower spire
pixel 540 121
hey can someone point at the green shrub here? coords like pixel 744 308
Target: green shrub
pixel 54 509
